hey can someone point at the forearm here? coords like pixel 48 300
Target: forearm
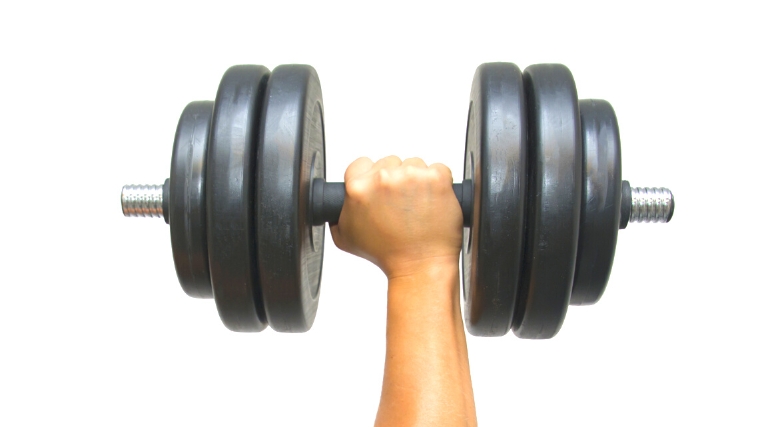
pixel 427 374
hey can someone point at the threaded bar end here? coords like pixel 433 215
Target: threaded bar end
pixel 145 201
pixel 651 204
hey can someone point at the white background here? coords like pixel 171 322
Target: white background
pixel 95 330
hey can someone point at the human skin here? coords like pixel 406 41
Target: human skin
pixel 404 218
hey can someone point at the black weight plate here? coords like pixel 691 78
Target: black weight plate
pixel 187 199
pixel 229 198
pixel 291 155
pixel 495 159
pixel 554 200
pixel 600 208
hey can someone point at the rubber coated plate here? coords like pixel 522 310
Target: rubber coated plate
pixel 229 197
pixel 291 155
pixel 187 199
pixel 554 200
pixel 600 208
pixel 495 159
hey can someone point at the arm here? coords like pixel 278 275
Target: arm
pixel 404 218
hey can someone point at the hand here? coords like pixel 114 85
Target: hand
pixel 401 216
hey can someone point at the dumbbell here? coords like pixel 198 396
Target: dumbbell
pixel 542 199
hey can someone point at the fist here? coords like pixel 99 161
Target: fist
pixel 401 216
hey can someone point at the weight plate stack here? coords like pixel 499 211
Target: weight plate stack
pixel 229 197
pixel 495 160
pixel 291 155
pixel 557 160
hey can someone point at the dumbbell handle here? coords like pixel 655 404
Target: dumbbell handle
pixel 327 200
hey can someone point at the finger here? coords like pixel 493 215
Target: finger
pixel 414 162
pixel 358 167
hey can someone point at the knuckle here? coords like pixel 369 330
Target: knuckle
pixel 442 169
pixel 444 174
pixel 392 160
pixel 384 178
pixel 357 189
pixel 415 161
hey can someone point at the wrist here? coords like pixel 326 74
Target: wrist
pixel 426 301
pixel 425 268
pixel 437 276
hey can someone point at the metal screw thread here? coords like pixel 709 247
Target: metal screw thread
pixel 651 204
pixel 143 201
